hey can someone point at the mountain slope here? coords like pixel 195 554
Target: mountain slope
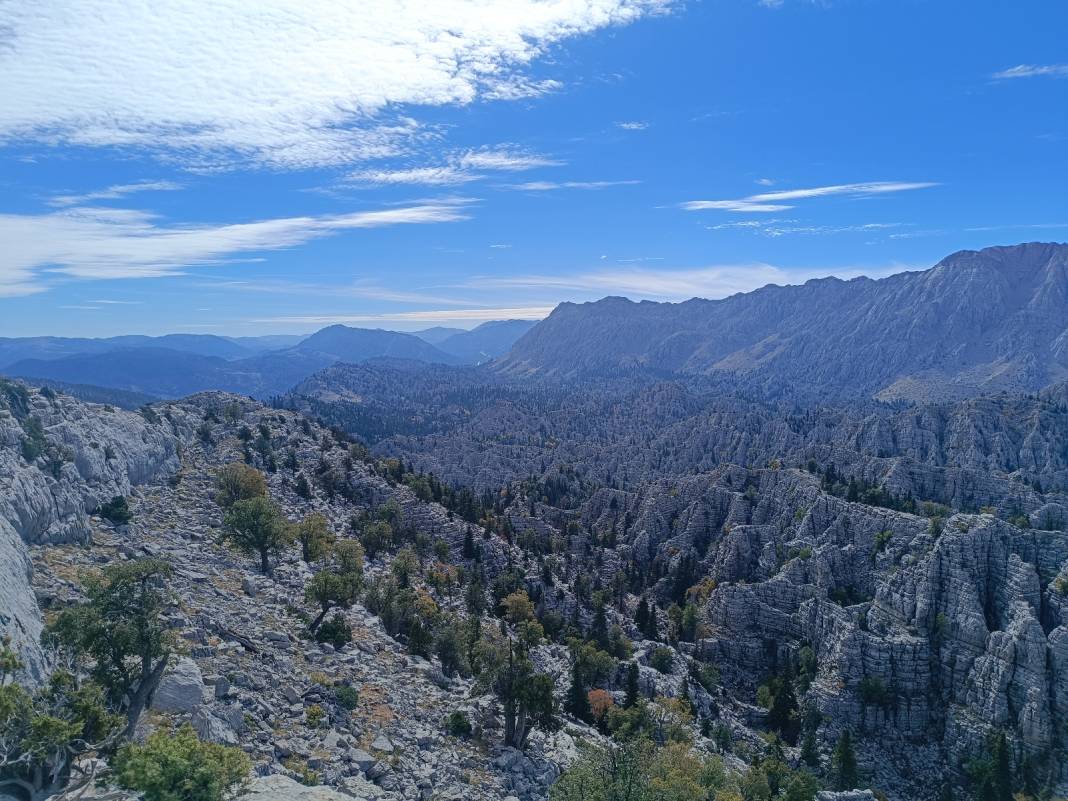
pixel 487 341
pixel 976 322
pixel 169 373
pixel 16 349
pixel 343 344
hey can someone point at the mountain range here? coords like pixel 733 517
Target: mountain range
pixel 179 364
pixel 978 321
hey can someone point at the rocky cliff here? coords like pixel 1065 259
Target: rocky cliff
pixel 59 459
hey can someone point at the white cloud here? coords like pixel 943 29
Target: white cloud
pixel 459 168
pixel 506 158
pixel 715 281
pixel 431 176
pixel 733 205
pixel 429 315
pixel 634 125
pixel 115 192
pixel 679 284
pixel 765 181
pixel 781 227
pixel 548 186
pixel 283 83
pixel 1032 71
pixel 97 243
pixel 771 201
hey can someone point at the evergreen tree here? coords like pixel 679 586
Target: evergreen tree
pixel 632 689
pixel 256 526
pixel 641 615
pixel 577 702
pixel 809 752
pixel 844 763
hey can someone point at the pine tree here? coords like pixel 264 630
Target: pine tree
pixel 809 753
pixel 577 702
pixel 632 689
pixel 1002 765
pixel 641 615
pixel 844 763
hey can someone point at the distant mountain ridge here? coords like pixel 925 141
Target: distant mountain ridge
pixel 978 321
pixel 16 349
pixel 215 363
pixel 487 341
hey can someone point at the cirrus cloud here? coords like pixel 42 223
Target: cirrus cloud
pixel 107 243
pixel 774 201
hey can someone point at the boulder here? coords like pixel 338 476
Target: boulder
pixel 182 688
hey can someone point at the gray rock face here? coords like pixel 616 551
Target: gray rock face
pixel 88 454
pixel 976 322
pixel 283 788
pixel 181 689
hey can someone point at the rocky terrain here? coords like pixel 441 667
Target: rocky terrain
pixel 927 628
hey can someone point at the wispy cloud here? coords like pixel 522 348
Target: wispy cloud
pixel 633 125
pixel 426 315
pixel 1032 71
pixel 549 186
pixel 777 228
pixel 430 176
pixel 774 201
pixel 289 84
pixel 459 168
pixel 97 243
pixel 114 192
pixel 507 158
pixel 715 281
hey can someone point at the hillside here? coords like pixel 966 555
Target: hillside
pixel 922 632
pixel 485 342
pixel 976 322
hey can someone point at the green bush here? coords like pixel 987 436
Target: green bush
pixel 179 767
pixel 347 697
pixel 662 659
pixel 116 510
pixel 35 443
pixel 314 716
pixel 458 724
pixel 335 631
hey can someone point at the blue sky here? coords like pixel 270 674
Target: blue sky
pixel 208 169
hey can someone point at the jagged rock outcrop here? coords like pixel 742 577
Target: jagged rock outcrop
pixel 59 459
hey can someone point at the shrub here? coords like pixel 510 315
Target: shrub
pixel 35 443
pixel 882 539
pixel 873 691
pixel 238 482
pixel 305 775
pixel 116 510
pixel 179 767
pixel 458 724
pixel 347 697
pixel 314 715
pixel 335 631
pixel 662 659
